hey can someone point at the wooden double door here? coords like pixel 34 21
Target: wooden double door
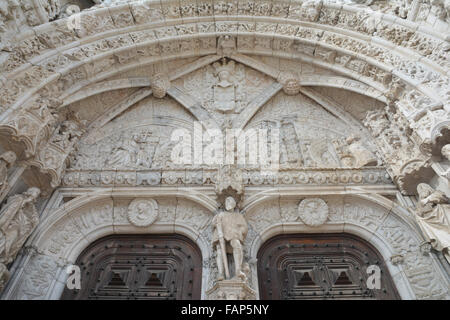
pixel 140 267
pixel 321 266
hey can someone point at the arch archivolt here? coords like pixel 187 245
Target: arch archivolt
pixel 372 218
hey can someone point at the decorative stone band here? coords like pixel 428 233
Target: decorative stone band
pixel 361 176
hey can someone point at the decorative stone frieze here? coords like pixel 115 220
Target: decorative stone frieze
pixel 143 212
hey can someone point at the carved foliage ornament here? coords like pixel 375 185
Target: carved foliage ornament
pixel 313 211
pixel 142 212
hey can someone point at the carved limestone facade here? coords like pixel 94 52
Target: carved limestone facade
pixel 152 117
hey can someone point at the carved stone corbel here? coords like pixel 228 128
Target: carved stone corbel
pixel 32 126
pixel 49 164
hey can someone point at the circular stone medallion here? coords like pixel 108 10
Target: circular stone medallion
pixel 313 212
pixel 142 212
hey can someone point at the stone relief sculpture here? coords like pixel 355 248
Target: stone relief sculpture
pixel 313 211
pixel 18 218
pixel 142 212
pixel 8 11
pixel 4 276
pixel 7 160
pixel 353 153
pixel 137 152
pixel 291 143
pixel 446 154
pixel 433 216
pixel 224 89
pixel 230 230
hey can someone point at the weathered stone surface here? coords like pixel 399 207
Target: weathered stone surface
pixel 143 116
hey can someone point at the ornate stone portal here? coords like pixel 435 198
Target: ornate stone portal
pixel 128 126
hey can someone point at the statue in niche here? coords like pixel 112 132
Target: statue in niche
pixel 354 154
pixel 7 160
pixel 230 230
pixel 224 90
pixel 433 216
pixel 18 218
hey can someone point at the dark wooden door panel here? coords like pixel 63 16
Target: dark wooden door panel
pixel 142 267
pixel 320 266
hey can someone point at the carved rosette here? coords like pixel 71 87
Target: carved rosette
pixel 291 85
pixel 313 212
pixel 142 212
pixel 160 84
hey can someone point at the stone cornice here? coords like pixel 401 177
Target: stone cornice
pixel 191 177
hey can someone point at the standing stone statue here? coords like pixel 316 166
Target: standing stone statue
pixel 18 218
pixel 446 154
pixel 230 230
pixel 433 216
pixel 7 160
